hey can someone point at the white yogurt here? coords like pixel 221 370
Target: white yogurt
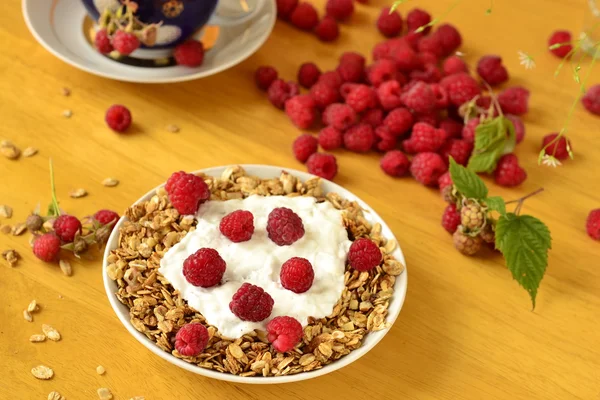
pixel 258 261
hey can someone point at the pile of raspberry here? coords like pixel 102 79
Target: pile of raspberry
pixel 415 102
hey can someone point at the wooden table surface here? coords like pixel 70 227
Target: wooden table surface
pixel 466 330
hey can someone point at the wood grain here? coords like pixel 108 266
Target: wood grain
pixel 466 330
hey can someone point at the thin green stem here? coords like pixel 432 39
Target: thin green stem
pixel 522 199
pixel 55 207
pixel 489 10
pixel 436 20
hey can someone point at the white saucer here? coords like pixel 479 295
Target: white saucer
pixel 62 27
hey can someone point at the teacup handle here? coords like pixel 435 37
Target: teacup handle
pixel 234 20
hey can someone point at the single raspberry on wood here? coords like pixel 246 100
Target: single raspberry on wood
pixel 460 88
pixel 564 39
pixel 420 98
pixel 426 168
pixel 381 71
pixel 66 227
pixel 304 146
pixel 558 149
pixel 467 245
pixel 302 110
pixel 238 226
pixel 395 163
pixel 330 138
pixel 452 127
pixel 118 118
pixel 102 42
pixel 417 18
pixel 508 171
pixel 449 37
pixel 297 275
pixel 308 74
pixel 388 94
pixel 592 224
pixel 514 100
pixel 251 303
pixel 327 29
pixel 399 121
pixel 458 149
pixel 389 24
pixel 591 100
pixel 284 226
pixel 373 117
pixel 424 138
pixel 125 42
pixel 105 217
pixel 204 268
pixel 361 98
pixel 518 125
pixel 304 17
pixel 191 339
pixel 280 91
pixel 284 333
pixel 189 53
pixel 186 192
pixel 323 165
pixel 451 218
pixel 359 138
pixel 454 65
pixel 339 9
pixel 340 116
pixel 491 70
pixel 364 255
pixel 47 247
pixel 264 76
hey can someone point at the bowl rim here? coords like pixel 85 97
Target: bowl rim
pixel 400 288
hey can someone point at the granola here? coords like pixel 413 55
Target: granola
pixel 158 311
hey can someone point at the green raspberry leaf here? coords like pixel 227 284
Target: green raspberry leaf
pixel 496 203
pixel 493 138
pixel 524 241
pixel 467 182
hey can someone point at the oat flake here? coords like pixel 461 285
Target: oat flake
pixel 38 337
pixel 42 372
pixel 104 394
pixel 110 182
pixel 100 370
pixel 30 152
pixel 77 193
pixel 65 267
pixel 27 316
pixel 32 307
pixel 5 211
pixel 51 333
pixel 18 229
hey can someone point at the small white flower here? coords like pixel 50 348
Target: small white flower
pixel 526 60
pixel 550 161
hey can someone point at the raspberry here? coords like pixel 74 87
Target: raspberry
pixel 204 268
pixel 118 118
pixel 125 43
pixel 388 94
pixel 405 58
pixel 426 58
pixel 352 57
pixel 427 168
pixel 302 110
pixel 558 149
pixel 559 37
pixel 359 138
pixel 513 100
pixel 351 71
pixel 412 39
pixel 284 333
pixel 445 180
pixel 484 102
pixel 327 30
pixel 323 165
pixel 264 76
pixel 285 8
pixel 279 92
pixel 102 42
pixel 452 127
pixel 592 224
pixel 389 24
pixel 491 70
pixel 381 50
pixel 591 100
pixel 460 88
pixel 449 37
pixel 340 116
pixel 330 138
pixel 467 245
pixel 251 303
pixel 384 140
pixel 238 226
pixel 339 9
pixel 361 98
pixel 450 218
pixel 417 18
pixel 105 217
pixel 472 217
pixel 297 275
pixel 66 227
pixel 508 172
pixel 488 234
pixel 364 255
pixel 454 65
pixel 189 53
pixel 324 94
pixel 420 98
pixel 304 17
pixel 468 132
pixel 331 78
pixel 431 44
pixel 431 74
pixel 187 192
pixel 398 121
pixel 441 96
pixel 458 149
pixel 447 188
pixel 395 163
pixel 518 125
pixel 432 118
pixel 308 74
pixel 304 146
pixel 424 138
pixel 284 226
pixel 191 339
pixel 373 117
pixel 46 247
pixel 381 71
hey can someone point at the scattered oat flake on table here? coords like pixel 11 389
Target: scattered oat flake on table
pixel 33 306
pixel 6 229
pixel 56 396
pixel 77 193
pixel 18 229
pixel 104 394
pixel 42 372
pixel 50 332
pixel 100 370
pixel 38 337
pixel 9 150
pixel 65 267
pixel 5 211
pixel 11 256
pixel 67 113
pixel 27 316
pixel 172 128
pixel 30 152
pixel 65 91
pixel 138 398
pixel 110 182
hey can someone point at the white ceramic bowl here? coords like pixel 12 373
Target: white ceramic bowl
pixel 264 171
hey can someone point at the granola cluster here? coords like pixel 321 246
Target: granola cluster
pixel 158 311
